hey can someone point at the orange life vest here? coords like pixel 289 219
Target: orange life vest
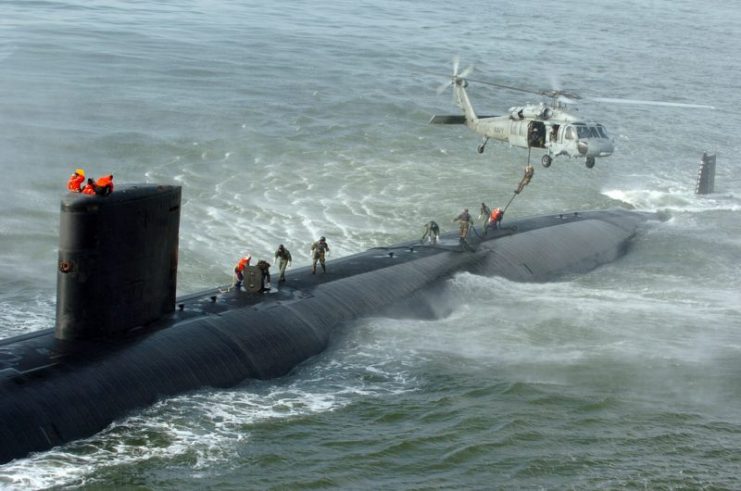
pixel 75 182
pixel 243 263
pixel 496 215
pixel 105 181
pixel 88 189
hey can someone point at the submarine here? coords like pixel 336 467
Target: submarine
pixel 122 340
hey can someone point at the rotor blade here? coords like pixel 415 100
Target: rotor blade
pixel 502 86
pixel 466 71
pixel 456 64
pixel 649 103
pixel 555 82
pixel 443 87
pixel 566 100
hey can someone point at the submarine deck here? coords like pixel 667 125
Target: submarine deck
pixel 25 356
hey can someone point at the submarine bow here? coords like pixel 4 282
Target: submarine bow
pixel 71 382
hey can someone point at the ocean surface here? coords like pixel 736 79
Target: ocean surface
pixel 289 120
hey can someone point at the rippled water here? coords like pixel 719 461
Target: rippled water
pixel 287 121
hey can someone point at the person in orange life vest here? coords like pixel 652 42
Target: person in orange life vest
pixel 495 218
pixel 104 185
pixel 75 181
pixel 89 187
pixel 239 271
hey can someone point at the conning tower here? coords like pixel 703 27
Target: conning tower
pixel 118 258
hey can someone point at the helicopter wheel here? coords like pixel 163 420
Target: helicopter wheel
pixel 546 160
pixel 590 162
pixel 480 148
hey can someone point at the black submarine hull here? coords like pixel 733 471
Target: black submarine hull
pixel 54 390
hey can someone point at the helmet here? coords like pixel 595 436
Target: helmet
pixel 80 172
pixel 322 238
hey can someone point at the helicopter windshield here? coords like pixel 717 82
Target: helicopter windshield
pixel 584 131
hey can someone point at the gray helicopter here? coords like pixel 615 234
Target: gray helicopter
pixel 546 126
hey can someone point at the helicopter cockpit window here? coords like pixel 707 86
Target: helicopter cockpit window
pixel 602 131
pixel 593 132
pixel 570 133
pixel 582 131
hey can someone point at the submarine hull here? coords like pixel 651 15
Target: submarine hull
pixel 53 390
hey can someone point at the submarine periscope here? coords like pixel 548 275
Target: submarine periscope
pixel 122 340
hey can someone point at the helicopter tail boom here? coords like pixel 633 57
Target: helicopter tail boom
pixel 448 119
pixel 452 118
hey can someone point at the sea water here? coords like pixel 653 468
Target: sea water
pixel 285 121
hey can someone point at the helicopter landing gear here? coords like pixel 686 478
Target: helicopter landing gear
pixel 547 160
pixel 482 145
pixel 590 162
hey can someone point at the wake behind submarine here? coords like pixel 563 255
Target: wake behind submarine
pixel 122 339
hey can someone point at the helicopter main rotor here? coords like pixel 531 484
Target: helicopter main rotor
pixel 557 96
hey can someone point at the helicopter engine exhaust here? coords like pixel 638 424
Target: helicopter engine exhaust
pixel 540 111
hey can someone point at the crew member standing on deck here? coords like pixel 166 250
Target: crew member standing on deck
pixel 495 218
pixel 89 187
pixel 239 271
pixel 75 181
pixel 283 258
pixel 464 219
pixel 318 251
pixel 264 268
pixel 432 232
pixel 484 213
pixel 104 185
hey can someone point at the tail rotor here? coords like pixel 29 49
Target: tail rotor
pixel 456 75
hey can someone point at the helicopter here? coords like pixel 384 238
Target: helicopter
pixel 547 126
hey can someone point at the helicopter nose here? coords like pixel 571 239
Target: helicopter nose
pixel 595 147
pixel 607 148
pixel 601 148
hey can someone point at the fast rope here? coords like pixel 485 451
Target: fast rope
pixel 529 173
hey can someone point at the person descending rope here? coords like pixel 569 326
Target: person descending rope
pixel 529 171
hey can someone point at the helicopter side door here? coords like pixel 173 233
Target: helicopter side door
pixel 536 134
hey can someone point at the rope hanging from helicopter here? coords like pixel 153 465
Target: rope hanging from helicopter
pixel 526 178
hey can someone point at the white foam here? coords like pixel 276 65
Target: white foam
pixel 680 200
pixel 208 427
